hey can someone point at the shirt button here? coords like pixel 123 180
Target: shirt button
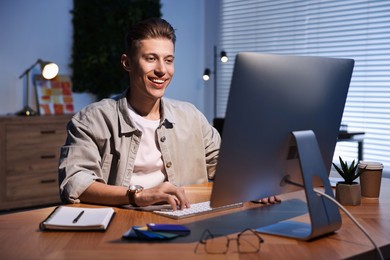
pixel 168 164
pixel 162 139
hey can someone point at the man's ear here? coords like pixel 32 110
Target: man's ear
pixel 125 62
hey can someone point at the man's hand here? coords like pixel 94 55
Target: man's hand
pixel 269 200
pixel 165 192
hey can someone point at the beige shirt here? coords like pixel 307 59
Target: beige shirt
pixel 103 141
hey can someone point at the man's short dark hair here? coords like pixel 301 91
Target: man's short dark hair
pixel 152 28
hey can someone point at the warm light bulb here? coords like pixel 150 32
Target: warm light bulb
pixel 224 58
pixel 50 71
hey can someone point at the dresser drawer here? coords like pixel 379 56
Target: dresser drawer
pixel 30 186
pixel 32 136
pixel 32 160
pixel 29 156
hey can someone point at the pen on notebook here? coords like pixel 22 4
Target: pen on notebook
pixel 78 217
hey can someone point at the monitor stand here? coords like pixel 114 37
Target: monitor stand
pixel 324 214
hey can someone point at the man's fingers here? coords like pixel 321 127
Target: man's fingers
pixel 173 201
pixel 273 200
pixel 182 198
pixel 269 200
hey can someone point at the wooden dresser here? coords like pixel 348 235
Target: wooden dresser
pixel 29 153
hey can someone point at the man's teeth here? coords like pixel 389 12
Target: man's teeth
pixel 159 81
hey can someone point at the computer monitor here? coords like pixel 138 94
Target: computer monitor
pixel 281 127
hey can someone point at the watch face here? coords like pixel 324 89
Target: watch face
pixel 136 188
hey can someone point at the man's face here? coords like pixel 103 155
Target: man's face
pixel 151 68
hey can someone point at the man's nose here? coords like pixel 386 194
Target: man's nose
pixel 160 67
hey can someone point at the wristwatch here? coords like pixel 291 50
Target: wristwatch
pixel 132 190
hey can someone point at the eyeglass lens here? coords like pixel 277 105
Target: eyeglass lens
pixel 247 242
pixel 217 245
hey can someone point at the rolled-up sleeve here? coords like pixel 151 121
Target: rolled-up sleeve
pixel 79 164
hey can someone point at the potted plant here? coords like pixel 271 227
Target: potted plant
pixel 348 191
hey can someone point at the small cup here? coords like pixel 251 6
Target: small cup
pixel 370 179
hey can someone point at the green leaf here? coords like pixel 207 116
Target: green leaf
pixel 348 172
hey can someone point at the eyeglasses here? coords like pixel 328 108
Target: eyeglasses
pixel 248 241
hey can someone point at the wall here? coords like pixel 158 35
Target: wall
pixel 30 30
pixel 188 20
pixel 43 29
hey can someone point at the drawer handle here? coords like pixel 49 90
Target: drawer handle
pixel 48 156
pixel 45 132
pixel 48 181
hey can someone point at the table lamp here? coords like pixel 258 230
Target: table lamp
pixel 49 70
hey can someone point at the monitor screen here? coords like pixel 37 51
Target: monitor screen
pixel 270 97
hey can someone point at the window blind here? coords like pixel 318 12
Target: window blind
pixel 357 29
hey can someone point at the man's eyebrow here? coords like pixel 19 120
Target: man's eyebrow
pixel 157 55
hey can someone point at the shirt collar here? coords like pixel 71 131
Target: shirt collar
pixel 127 125
pixel 167 118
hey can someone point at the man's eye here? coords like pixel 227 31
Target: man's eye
pixel 169 61
pixel 150 58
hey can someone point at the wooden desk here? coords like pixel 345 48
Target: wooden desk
pixel 21 239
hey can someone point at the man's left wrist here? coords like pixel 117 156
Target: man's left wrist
pixel 131 191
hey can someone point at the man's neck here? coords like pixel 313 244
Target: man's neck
pixel 149 110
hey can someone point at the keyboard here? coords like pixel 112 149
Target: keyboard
pixel 195 210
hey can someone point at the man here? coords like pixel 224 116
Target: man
pixel 141 138
pixel 139 148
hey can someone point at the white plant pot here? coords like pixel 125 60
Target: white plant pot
pixel 348 194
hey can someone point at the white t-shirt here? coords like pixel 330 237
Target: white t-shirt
pixel 148 167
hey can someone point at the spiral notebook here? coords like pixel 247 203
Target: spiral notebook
pixel 76 218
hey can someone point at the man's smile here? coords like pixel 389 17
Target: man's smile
pixel 158 81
